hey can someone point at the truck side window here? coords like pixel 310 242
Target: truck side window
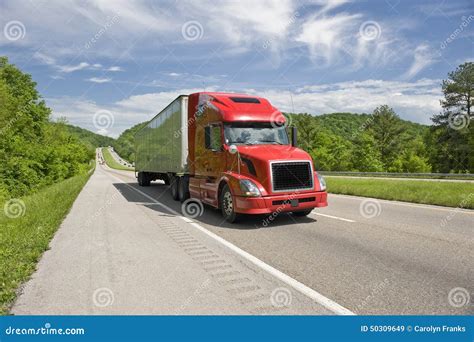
pixel 213 137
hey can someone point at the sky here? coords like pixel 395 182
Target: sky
pixel 107 65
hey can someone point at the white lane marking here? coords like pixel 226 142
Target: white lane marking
pixel 309 292
pixel 333 217
pixel 415 205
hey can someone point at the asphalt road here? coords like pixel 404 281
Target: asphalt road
pixel 368 256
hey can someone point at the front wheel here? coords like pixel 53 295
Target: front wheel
pixel 302 212
pixel 227 205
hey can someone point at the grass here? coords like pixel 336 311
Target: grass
pixel 450 194
pixel 23 239
pixel 111 162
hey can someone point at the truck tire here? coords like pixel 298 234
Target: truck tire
pixel 302 213
pixel 226 203
pixel 143 179
pixel 183 189
pixel 174 188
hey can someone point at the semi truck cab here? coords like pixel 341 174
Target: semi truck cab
pixel 242 159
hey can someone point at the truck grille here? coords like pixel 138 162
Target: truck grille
pixel 292 176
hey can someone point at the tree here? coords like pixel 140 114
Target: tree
pixel 34 152
pixel 366 155
pixel 386 128
pixel 454 135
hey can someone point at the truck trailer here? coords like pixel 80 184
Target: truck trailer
pixel 234 152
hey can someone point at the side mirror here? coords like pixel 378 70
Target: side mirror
pixel 294 136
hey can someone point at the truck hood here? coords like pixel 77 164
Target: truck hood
pixel 265 153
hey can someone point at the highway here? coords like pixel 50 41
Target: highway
pixel 125 249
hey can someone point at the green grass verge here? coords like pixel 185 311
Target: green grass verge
pixel 111 162
pixel 24 238
pixel 451 194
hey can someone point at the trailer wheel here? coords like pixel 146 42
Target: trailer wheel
pixel 226 203
pixel 183 189
pixel 302 212
pixel 143 179
pixel 174 188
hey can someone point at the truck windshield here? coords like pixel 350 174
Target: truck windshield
pixel 254 133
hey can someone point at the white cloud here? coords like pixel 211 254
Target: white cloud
pixel 415 101
pixel 72 68
pixel 115 68
pixel 326 37
pixel 422 58
pixel 101 28
pixel 43 58
pixel 99 80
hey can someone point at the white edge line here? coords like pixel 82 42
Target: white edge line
pixel 333 217
pixel 316 296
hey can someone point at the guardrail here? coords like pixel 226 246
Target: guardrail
pixel 400 175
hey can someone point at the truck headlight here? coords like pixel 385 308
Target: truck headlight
pixel 322 183
pixel 249 188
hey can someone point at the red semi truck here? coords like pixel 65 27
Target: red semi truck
pixel 230 151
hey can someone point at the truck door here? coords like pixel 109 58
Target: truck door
pixel 212 162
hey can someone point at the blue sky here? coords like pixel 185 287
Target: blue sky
pixel 128 59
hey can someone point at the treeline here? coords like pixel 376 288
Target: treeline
pixel 381 141
pixel 125 143
pixel 34 151
pixel 366 143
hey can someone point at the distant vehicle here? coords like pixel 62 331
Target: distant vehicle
pixel 230 151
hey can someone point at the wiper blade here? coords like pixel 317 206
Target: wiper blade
pixel 271 141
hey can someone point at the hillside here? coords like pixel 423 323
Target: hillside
pixel 346 124
pixel 124 144
pixel 91 139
